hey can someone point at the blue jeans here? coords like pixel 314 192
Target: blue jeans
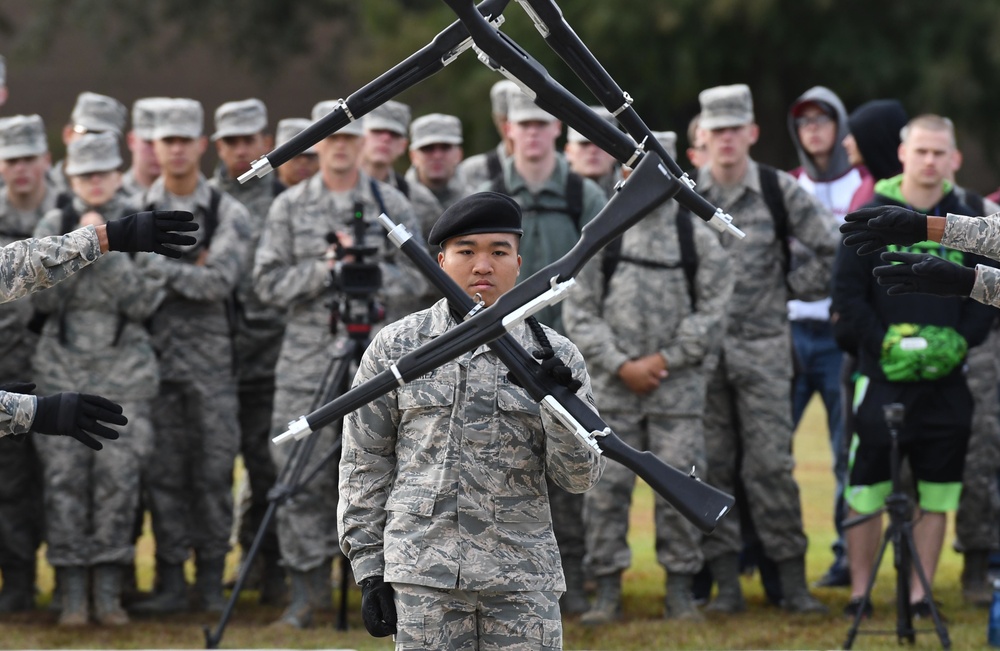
pixel 817 369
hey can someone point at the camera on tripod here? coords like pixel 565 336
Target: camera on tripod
pixel 355 285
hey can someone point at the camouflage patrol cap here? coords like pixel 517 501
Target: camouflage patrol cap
pixel 94 112
pixel 93 152
pixel 178 117
pixel 392 116
pixel 498 96
pixel 668 140
pixel 243 118
pixel 521 108
pixel 572 135
pixel 143 116
pixel 726 106
pixel 324 108
pixel 482 212
pixel 288 129
pixel 435 128
pixel 21 136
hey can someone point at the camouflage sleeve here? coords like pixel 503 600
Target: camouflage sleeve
pixel 17 413
pixel 815 228
pixel 216 279
pixel 31 265
pixel 973 234
pixel 700 331
pixel 569 462
pixel 986 290
pixel 279 278
pixel 367 469
pixel 585 324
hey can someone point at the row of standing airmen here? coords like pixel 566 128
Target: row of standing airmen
pixel 228 379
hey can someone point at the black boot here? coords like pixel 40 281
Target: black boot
pixel 107 593
pixel 18 593
pixel 607 607
pixel 726 570
pixel 310 591
pixel 73 588
pixel 274 585
pixel 574 601
pixel 208 583
pixel 172 594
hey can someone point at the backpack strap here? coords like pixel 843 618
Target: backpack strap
pixel 401 184
pixel 212 216
pixel 771 190
pixel 574 198
pixel 493 165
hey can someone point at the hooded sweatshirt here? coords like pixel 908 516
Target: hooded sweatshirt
pixel 875 126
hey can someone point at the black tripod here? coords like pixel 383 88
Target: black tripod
pixel 354 308
pixel 905 556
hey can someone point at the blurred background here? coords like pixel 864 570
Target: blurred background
pixel 941 57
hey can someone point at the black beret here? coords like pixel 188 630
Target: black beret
pixel 483 212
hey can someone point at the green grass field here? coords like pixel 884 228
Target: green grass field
pixel 762 627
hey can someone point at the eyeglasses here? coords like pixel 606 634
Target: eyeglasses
pixel 813 121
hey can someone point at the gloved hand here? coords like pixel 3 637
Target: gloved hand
pixel 77 415
pixel 926 274
pixel 150 231
pixel 378 611
pixel 871 229
pixel 554 368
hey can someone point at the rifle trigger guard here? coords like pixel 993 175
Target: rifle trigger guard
pixel 623 107
pixel 480 304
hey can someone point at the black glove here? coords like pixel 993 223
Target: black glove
pixel 926 274
pixel 554 367
pixel 871 229
pixel 76 414
pixel 150 231
pixel 26 388
pixel 377 607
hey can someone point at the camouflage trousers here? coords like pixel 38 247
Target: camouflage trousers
pixel 749 408
pixel 190 475
pixel 976 522
pixel 256 405
pixel 677 441
pixel 460 620
pixel 307 522
pixel 91 497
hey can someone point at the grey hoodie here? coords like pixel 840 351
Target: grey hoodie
pixel 838 158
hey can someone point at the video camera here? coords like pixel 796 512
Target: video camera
pixel 355 284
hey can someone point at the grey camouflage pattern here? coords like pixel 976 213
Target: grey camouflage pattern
pixel 17 412
pixel 429 618
pixel 442 481
pixel 978 235
pixel 456 189
pixel 290 273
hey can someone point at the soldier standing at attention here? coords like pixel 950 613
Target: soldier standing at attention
pixel 145 168
pixel 435 152
pixel 92 113
pixel 302 166
pixel 195 415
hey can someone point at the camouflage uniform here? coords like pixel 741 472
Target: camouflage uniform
pixel 642 311
pixel 92 113
pixel 457 188
pixel 94 338
pixel 443 485
pixel 438 129
pixel 749 402
pixel 197 435
pixel 978 235
pixel 290 273
pixel 259 332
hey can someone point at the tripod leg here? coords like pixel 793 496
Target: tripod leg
pixel 902 540
pixel 866 598
pixel 939 627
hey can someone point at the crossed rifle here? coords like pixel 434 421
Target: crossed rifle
pixel 656 177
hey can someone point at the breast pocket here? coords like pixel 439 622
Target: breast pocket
pixel 426 412
pixel 518 436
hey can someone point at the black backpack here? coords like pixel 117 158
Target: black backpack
pixel 573 194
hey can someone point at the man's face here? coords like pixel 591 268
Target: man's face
pixel 338 154
pixel 730 146
pixel 927 157
pixel 237 152
pixel 96 188
pixel 817 131
pixel 697 153
pixel 143 155
pixel 436 163
pixel 179 156
pixel 484 263
pixel 853 153
pixel 298 169
pixel 383 147
pixel 589 160
pixel 24 175
pixel 534 140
